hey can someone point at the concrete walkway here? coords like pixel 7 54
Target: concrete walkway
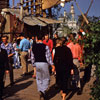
pixel 25 89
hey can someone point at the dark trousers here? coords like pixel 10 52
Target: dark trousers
pixel 2 71
pixel 11 70
pixel 62 80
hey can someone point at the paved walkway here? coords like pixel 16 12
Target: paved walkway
pixel 25 89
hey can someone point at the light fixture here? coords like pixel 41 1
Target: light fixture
pixel 2 13
pixel 62 3
pixel 63 0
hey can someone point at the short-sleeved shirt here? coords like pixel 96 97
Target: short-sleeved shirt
pixel 9 48
pixel 24 45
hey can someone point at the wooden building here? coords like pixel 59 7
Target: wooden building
pixel 4 4
pixel 35 21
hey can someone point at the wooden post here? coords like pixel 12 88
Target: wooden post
pixel 50 12
pixel 40 7
pixel 21 10
pixel 13 1
pixel 37 8
pixel 86 20
pixel 32 7
pixel 44 14
pixel 27 6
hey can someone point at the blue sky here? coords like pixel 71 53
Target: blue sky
pixel 83 4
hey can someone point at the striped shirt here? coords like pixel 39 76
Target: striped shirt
pixel 9 48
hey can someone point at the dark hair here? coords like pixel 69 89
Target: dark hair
pixel 46 34
pixel 5 37
pixel 22 34
pixel 56 33
pixel 80 33
pixel 39 37
pixel 63 39
pixel 74 35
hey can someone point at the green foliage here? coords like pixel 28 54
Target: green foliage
pixel 92 51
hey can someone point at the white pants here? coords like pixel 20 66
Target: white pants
pixel 16 60
pixel 42 76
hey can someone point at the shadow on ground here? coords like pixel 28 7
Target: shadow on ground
pixel 11 90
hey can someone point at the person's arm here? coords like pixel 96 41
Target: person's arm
pixel 49 58
pixel 51 42
pixel 80 56
pixel 32 58
pixel 12 51
pixel 21 45
pixel 70 60
pixel 53 53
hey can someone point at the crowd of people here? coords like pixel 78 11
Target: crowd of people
pixel 58 56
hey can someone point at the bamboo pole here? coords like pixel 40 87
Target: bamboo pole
pixel 13 1
pixel 32 3
pixel 86 20
pixel 27 3
pixel 87 12
pixel 21 10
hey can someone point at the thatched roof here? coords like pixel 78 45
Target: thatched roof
pixel 50 3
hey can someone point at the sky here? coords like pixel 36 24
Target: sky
pixel 83 4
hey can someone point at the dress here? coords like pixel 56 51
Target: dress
pixel 63 63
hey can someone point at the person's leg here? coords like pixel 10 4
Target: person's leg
pixel 76 62
pixel 63 96
pixel 1 82
pixel 11 75
pixel 24 62
pixel 18 60
pixel 64 85
pixel 38 77
pixel 34 74
pixel 15 60
pixel 45 77
pixel 42 78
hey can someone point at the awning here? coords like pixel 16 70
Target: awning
pixel 31 20
pixel 50 3
pixel 15 12
pixel 49 21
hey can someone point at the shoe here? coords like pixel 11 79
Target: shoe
pixel 23 75
pixel 42 95
pixel 12 83
pixel 34 76
pixel 79 92
pixel 56 86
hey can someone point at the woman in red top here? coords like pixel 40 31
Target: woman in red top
pixel 48 42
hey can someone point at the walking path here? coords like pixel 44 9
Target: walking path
pixel 25 89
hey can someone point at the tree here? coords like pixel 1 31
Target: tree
pixel 92 51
